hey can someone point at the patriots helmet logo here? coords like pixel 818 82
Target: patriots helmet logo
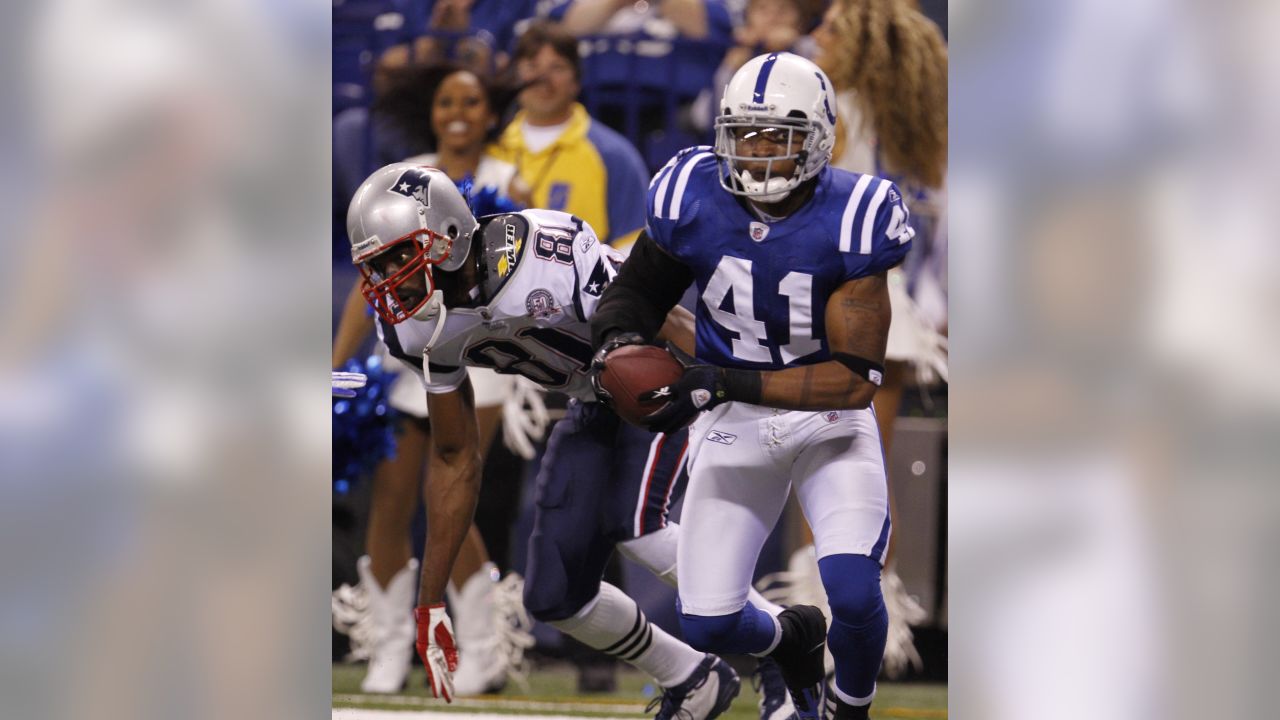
pixel 413 183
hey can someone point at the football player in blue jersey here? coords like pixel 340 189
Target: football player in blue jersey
pixel 789 259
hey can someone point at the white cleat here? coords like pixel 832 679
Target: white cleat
pixel 492 631
pixel 392 630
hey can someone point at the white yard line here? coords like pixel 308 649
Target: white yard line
pixel 543 708
pixel 360 714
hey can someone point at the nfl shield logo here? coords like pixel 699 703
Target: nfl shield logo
pixel 833 416
pixel 758 231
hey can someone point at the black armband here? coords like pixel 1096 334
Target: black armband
pixel 743 385
pixel 872 371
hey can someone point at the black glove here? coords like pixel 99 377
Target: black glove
pixel 700 388
pixel 597 362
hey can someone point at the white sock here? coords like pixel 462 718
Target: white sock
pixel 657 553
pixel 613 624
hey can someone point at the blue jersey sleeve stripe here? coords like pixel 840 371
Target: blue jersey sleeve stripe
pixel 869 220
pixel 763 78
pixel 846 221
pixel 673 212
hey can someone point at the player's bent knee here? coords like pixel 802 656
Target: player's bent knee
pixel 852 583
pixel 710 633
pixel 546 586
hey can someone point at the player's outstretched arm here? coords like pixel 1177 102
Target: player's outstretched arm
pixel 451 491
pixel 452 487
pixel 857 322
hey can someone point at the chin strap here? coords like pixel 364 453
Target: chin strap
pixel 434 307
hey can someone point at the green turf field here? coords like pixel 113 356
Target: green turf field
pixel 552 691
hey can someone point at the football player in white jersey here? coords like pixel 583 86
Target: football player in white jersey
pixel 789 258
pixel 514 292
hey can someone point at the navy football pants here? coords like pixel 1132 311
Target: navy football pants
pixel 602 482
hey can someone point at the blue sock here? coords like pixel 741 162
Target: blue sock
pixel 859 623
pixel 748 631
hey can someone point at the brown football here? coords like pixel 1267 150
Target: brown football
pixel 632 370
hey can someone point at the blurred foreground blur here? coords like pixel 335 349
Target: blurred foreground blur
pixel 1114 333
pixel 164 312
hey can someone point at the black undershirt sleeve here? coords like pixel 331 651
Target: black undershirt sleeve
pixel 649 284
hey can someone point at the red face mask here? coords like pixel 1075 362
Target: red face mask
pixel 397 280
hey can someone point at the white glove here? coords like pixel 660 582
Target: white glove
pixel 524 418
pixel 436 648
pixel 346 383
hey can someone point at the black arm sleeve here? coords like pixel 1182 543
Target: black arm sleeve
pixel 649 284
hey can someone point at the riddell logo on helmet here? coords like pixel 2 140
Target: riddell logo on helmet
pixel 754 107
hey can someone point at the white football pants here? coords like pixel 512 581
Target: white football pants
pixel 743 460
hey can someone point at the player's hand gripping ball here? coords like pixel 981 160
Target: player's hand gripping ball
pixel 635 370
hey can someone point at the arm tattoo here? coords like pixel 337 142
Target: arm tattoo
pixel 859 315
pixel 806 387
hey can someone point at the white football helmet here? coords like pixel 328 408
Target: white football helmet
pixel 780 101
pixel 403 220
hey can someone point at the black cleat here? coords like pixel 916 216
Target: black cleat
pixel 800 658
pixel 775 699
pixel 838 709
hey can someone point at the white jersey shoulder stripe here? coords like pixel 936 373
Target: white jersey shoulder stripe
pixel 662 170
pixel 661 194
pixel 869 220
pixel 846 221
pixel 673 209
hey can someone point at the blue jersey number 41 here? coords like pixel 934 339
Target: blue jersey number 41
pixel 750 337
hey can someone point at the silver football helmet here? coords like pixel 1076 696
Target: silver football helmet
pixel 779 102
pixel 404 220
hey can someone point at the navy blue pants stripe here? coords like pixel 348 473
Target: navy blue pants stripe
pixel 662 474
pixel 878 549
